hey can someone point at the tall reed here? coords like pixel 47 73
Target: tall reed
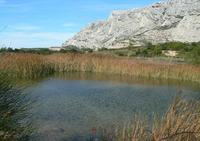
pixel 180 123
pixel 25 65
pixel 33 66
pixel 12 111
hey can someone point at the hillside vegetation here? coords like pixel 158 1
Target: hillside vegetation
pixel 186 52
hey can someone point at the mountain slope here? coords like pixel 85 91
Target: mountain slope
pixel 171 20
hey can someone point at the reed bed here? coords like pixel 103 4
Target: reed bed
pixel 33 66
pixel 25 65
pixel 180 123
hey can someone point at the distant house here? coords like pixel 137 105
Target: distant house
pixel 55 48
pixel 170 53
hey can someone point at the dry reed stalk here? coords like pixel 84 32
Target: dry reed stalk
pixel 134 131
pixel 180 123
pixel 32 65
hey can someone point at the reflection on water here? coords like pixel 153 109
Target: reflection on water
pixel 69 105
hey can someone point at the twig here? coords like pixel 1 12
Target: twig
pixel 177 134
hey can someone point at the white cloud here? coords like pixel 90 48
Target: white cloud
pixel 24 27
pixel 33 39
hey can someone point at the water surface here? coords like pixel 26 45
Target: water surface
pixel 66 107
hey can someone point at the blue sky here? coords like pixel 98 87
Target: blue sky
pixel 44 23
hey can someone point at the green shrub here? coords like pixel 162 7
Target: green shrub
pixel 87 50
pixel 121 53
pixel 195 55
pixel 176 46
pixel 70 48
pixel 12 106
pixel 102 49
pixel 157 51
pixel 149 45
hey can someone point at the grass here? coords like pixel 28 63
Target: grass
pixel 28 66
pixel 31 66
pixel 180 123
pixel 12 106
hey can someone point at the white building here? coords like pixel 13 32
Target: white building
pixel 55 48
pixel 170 53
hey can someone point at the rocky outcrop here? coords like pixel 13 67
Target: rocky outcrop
pixel 171 20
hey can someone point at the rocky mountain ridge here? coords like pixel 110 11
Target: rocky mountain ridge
pixel 170 20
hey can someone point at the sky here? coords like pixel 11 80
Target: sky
pixel 45 23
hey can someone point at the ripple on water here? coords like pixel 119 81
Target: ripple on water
pixel 67 108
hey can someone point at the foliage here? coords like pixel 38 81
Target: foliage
pixel 12 106
pixel 27 50
pixel 187 52
pixel 195 55
pixel 103 49
pixel 176 46
pixel 70 49
pixel 149 45
pixel 87 50
pixel 157 51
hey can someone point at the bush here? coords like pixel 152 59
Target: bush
pixel 6 49
pixel 157 51
pixel 149 45
pixel 176 46
pixel 121 53
pixel 87 50
pixel 12 106
pixel 102 49
pixel 195 55
pixel 71 49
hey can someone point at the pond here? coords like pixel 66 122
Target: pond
pixel 67 106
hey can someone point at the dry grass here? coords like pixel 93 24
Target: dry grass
pixel 180 123
pixel 134 131
pixel 25 65
pixel 32 66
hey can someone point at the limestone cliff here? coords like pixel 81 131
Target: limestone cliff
pixel 170 20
